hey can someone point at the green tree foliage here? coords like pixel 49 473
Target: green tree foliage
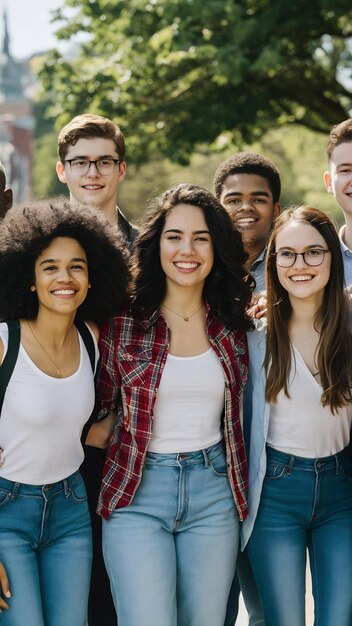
pixel 180 73
pixel 299 153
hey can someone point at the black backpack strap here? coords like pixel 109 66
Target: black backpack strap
pixel 88 341
pixel 10 359
pixel 90 347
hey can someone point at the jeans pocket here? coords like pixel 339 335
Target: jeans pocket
pixel 218 464
pixel 78 490
pixel 4 496
pixel 346 469
pixel 275 470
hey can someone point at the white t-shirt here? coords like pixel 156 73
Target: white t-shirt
pixel 300 425
pixel 189 404
pixel 42 419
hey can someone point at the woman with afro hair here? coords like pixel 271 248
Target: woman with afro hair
pixel 61 267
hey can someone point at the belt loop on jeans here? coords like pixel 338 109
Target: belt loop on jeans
pixel 290 464
pixel 66 487
pixel 206 458
pixel 14 491
pixel 337 464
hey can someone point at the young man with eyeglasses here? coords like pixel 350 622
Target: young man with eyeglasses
pixel 338 181
pixel 92 164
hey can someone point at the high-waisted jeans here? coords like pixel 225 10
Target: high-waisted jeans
pixel 305 503
pixel 171 553
pixel 45 546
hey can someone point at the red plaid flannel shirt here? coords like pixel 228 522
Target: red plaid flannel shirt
pixel 133 355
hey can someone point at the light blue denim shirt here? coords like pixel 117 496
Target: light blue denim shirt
pixel 258 271
pixel 255 425
pixel 256 413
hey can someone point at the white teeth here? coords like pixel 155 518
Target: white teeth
pixel 245 220
pixel 92 186
pixel 301 277
pixel 187 266
pixel 64 292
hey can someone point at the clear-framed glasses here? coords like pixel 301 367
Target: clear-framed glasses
pixel 287 258
pixel 105 167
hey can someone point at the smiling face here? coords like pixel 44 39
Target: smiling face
pixel 303 281
pixel 186 249
pixel 338 180
pixel 92 188
pixel 61 276
pixel 249 200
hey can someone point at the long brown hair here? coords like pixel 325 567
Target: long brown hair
pixel 228 287
pixel 334 350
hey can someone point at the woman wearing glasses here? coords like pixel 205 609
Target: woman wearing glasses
pixel 300 475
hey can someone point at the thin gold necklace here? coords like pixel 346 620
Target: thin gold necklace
pixel 59 370
pixel 188 317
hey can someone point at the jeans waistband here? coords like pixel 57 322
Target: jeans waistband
pixel 181 459
pixel 39 490
pixel 306 463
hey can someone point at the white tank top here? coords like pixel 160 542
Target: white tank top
pixel 300 425
pixel 42 419
pixel 189 404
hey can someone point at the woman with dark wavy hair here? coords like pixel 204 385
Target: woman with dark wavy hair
pixel 173 369
pixel 300 470
pixel 60 265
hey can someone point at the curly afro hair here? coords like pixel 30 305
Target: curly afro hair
pixel 28 229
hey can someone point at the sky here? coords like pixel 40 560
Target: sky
pixel 29 25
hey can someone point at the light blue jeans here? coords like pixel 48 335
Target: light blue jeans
pixel 45 546
pixel 171 553
pixel 304 503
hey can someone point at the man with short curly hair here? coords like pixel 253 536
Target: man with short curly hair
pixel 248 185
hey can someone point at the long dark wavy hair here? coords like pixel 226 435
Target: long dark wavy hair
pixel 334 348
pixel 227 289
pixel 28 229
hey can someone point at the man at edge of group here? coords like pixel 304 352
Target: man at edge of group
pixel 338 181
pixel 5 193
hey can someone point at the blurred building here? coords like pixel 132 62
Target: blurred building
pixel 16 121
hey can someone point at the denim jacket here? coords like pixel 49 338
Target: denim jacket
pixel 255 426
